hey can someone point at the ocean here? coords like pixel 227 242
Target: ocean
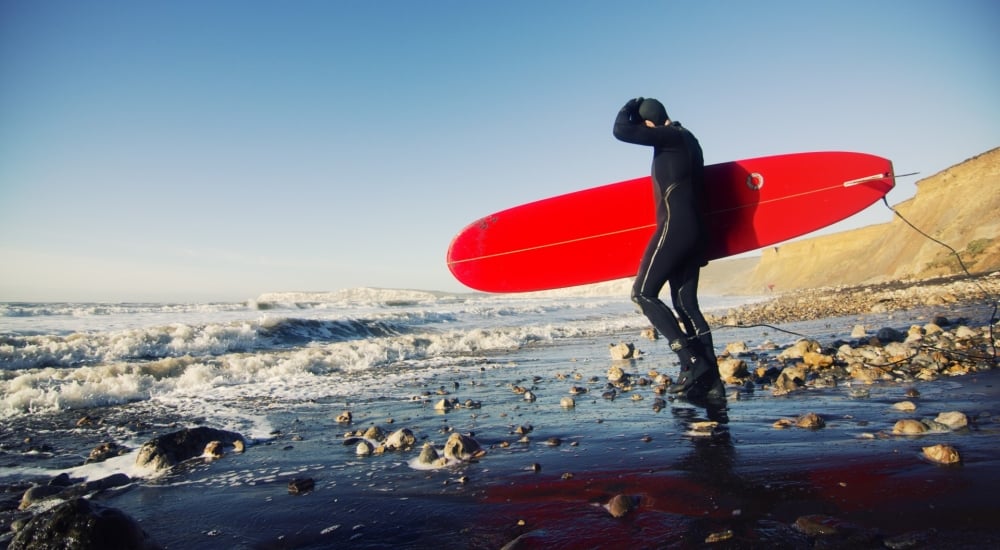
pixel 292 347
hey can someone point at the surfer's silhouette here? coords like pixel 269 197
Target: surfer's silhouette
pixel 676 252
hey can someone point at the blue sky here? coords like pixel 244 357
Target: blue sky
pixel 191 150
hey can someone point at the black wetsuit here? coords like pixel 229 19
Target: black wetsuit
pixel 675 253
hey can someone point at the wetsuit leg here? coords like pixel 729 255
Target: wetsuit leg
pixel 654 272
pixel 684 295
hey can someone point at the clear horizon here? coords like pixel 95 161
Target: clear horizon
pixel 191 152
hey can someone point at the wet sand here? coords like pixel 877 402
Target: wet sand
pixel 745 484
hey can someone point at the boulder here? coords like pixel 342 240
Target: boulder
pixel 173 448
pixel 80 523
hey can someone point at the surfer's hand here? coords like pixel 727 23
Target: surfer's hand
pixel 632 107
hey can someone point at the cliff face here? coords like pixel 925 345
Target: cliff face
pixel 959 207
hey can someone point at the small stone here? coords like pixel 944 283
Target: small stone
pixel 623 351
pixel 650 334
pixel 889 334
pixel 732 371
pixel 301 485
pixel 462 447
pixel 105 451
pixel 529 396
pixel 955 420
pixel 443 405
pixel 817 360
pixel 737 348
pixel 704 426
pixel 616 374
pixel 364 448
pixel 400 440
pixel 620 505
pixel 428 455
pixel 859 331
pixel 942 454
pixel 344 417
pixel 908 426
pixel 719 536
pixel 567 402
pixel 907 406
pixel 374 433
pixel 810 421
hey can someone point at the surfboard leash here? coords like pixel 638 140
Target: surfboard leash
pixel 989 296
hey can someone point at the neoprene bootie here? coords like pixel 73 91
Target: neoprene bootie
pixel 693 367
pixel 709 386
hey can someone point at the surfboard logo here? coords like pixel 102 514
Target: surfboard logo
pixel 755 181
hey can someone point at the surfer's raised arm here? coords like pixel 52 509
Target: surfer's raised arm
pixel 645 122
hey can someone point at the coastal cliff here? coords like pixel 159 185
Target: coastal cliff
pixel 959 206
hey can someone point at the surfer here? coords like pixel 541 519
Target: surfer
pixel 675 254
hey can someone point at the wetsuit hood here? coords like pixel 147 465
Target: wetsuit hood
pixel 653 111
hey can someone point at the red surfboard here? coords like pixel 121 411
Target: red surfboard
pixel 599 234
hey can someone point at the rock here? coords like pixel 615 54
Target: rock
pixel 965 333
pixel 529 396
pixel 650 334
pixel 859 331
pixel 345 417
pixel 889 334
pixel 733 371
pixel 61 487
pixel 80 523
pixel 816 360
pixel 400 440
pixel 567 403
pixel 364 448
pixel 39 493
pixel 301 485
pixel 704 426
pixel 811 421
pixel 428 455
pixel 737 348
pixel 374 433
pixel 443 405
pixel 790 379
pixel 955 420
pixel 623 351
pixel 173 448
pixel 620 505
pixel 942 454
pixel 105 451
pixel 616 374
pixel 907 406
pixel 719 536
pixel 908 426
pixel 462 447
pixel 798 349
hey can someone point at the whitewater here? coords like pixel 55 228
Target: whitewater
pixel 281 347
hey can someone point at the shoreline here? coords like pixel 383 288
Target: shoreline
pixel 550 473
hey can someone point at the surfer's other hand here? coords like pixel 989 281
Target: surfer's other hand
pixel 632 107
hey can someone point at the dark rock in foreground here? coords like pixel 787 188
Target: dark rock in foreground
pixel 84 525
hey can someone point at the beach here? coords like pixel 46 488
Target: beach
pixel 623 466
